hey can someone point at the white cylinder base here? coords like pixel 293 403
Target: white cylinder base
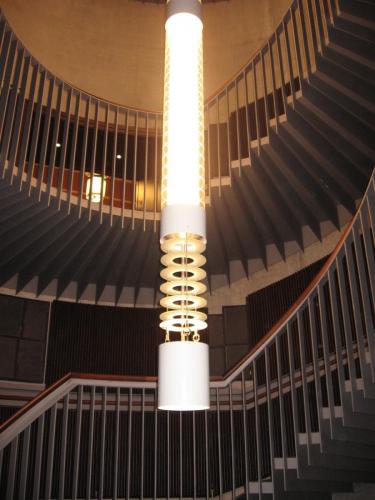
pixel 184 382
pixel 189 219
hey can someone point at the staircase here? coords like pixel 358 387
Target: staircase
pixel 360 492
pixel 294 419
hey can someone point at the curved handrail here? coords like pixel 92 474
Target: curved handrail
pixel 216 381
pixel 36 399
pixel 277 327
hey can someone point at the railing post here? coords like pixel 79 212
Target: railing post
pixel 365 296
pixel 5 87
pixel 12 155
pixel 232 447
pixel 93 155
pixel 257 428
pixel 84 155
pixel 292 381
pixel 337 334
pixel 155 448
pixel 315 359
pixel 51 451
pixel 102 442
pixel 63 447
pixel 77 443
pixel 125 167
pixel 90 443
pixel 44 137
pixel 73 152
pixel 129 442
pixel 26 127
pixel 347 327
pixel 12 468
pixel 11 110
pixel 24 463
pixel 36 132
pixel 354 299
pixel 38 457
pixel 326 352
pixel 218 430
pixel 270 414
pixel 284 452
pixel 305 393
pixel 244 425
pixel 229 147
pixel 52 156
pixel 116 444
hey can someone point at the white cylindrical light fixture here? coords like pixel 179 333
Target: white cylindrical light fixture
pixel 183 362
pixel 188 361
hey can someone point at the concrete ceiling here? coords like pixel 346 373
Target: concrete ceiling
pixel 115 49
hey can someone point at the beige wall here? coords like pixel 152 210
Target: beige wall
pixel 114 49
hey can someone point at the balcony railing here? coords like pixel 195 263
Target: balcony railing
pixel 270 417
pixel 53 135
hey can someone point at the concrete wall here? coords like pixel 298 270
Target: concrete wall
pixel 114 49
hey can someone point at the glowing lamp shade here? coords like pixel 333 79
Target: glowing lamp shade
pixel 188 391
pixel 98 188
pixel 183 364
pixel 183 133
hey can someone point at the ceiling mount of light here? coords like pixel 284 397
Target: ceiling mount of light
pixel 183 359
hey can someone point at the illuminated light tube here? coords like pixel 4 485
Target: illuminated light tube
pixel 183 382
pixel 98 188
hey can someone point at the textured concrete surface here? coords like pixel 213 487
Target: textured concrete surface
pixel 114 49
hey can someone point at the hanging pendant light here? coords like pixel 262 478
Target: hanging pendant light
pixel 183 359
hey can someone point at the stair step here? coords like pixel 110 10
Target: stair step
pixel 323 146
pixel 282 492
pixel 347 61
pixel 351 100
pixel 353 496
pixel 354 19
pixel 366 63
pixel 362 88
pixel 355 426
pixel 364 488
pixel 356 26
pixel 345 126
pixel 346 448
pixel 352 7
pixel 353 43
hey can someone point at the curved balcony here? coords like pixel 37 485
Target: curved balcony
pixel 289 152
pixel 293 419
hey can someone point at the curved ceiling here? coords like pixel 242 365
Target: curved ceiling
pixel 114 49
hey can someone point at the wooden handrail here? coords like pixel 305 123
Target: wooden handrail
pixel 43 394
pixel 116 378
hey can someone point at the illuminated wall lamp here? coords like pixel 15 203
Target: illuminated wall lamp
pixel 98 188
